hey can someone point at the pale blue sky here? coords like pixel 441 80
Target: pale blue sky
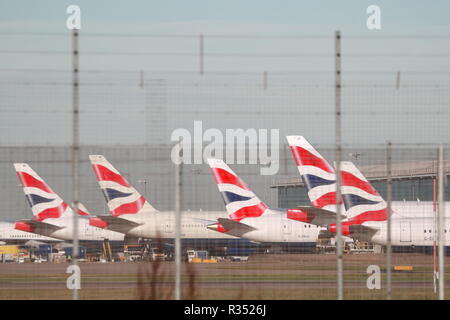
pixel 219 17
pixel 399 12
pixel 23 105
pixel 35 107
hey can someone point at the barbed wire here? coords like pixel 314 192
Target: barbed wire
pixel 352 113
pixel 231 73
pixel 230 54
pixel 194 84
pixel 226 36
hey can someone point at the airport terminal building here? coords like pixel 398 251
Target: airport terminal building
pixel 411 181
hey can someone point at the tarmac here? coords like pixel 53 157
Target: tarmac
pixel 286 276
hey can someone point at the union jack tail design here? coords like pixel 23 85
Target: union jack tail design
pixel 318 176
pixel 362 202
pixel 122 198
pixel 44 202
pixel 240 201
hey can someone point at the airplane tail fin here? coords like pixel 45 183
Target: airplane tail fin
pixel 240 201
pixel 44 202
pixel 122 198
pixel 317 174
pixel 82 211
pixel 362 202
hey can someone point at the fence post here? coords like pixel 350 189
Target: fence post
pixel 389 213
pixel 441 222
pixel 75 148
pixel 178 174
pixel 339 249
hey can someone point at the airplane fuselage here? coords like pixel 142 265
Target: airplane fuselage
pixel 276 227
pixel 412 224
pixel 161 225
pixel 271 228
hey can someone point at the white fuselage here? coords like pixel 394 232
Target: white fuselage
pixel 161 224
pixel 273 227
pixel 412 224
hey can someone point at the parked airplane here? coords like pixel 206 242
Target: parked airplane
pixel 365 210
pixel 250 218
pixel 319 178
pixel 52 217
pixel 412 222
pixel 132 214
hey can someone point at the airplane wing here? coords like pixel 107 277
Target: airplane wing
pixel 37 226
pixel 113 223
pixel 313 215
pixel 362 232
pixel 357 231
pixel 235 228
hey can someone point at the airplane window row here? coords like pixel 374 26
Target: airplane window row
pixel 429 231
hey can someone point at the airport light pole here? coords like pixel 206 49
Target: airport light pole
pixel 389 212
pixel 441 213
pixel 144 181
pixel 178 173
pixel 75 148
pixel 435 232
pixel 340 276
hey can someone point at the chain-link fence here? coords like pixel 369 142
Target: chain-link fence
pixel 248 248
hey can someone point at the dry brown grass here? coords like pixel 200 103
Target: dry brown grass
pixel 285 277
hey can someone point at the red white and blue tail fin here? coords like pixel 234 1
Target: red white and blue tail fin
pixel 44 202
pixel 82 211
pixel 362 202
pixel 239 200
pixel 122 198
pixel 317 174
